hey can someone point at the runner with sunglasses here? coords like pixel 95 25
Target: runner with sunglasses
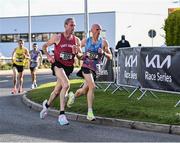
pixel 95 48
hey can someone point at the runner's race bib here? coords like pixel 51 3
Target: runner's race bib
pixel 92 55
pixel 34 61
pixel 19 60
pixel 66 56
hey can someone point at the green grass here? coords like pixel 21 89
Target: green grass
pixel 7 66
pixel 118 105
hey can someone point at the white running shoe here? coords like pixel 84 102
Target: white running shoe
pixel 44 111
pixel 32 86
pixel 63 120
pixel 71 99
pixel 35 85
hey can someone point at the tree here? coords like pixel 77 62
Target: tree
pixel 172 29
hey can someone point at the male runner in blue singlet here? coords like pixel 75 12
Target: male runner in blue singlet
pixel 95 48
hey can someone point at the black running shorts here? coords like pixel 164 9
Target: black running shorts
pixel 86 71
pixel 68 69
pixel 19 68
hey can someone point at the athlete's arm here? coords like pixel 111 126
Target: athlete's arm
pixel 83 43
pixel 13 54
pixel 79 50
pixel 78 42
pixel 40 58
pixel 26 54
pixel 53 40
pixel 106 50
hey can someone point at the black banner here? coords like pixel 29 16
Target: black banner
pixel 105 71
pixel 160 68
pixel 128 66
pixel 150 67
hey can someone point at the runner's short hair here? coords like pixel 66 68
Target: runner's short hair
pixel 67 20
pixel 21 40
pixel 35 44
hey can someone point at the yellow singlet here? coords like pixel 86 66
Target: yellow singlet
pixel 19 58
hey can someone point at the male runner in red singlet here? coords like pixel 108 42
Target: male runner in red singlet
pixel 66 47
pixel 95 48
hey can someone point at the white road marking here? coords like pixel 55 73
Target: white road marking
pixel 4 81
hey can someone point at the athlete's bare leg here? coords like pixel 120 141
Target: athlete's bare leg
pixel 55 92
pixel 15 77
pixel 63 79
pixel 33 76
pixel 82 91
pixel 91 87
pixel 20 78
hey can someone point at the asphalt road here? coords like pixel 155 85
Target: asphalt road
pixel 20 123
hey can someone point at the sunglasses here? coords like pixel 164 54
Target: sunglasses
pixel 98 29
pixel 72 25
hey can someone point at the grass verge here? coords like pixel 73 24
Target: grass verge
pixel 118 105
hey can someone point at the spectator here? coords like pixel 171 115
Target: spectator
pixel 139 45
pixel 122 43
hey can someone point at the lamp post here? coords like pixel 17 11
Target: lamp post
pixel 86 18
pixel 29 22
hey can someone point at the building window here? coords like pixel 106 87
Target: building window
pixel 33 37
pixel 52 33
pixel 103 33
pixel 80 35
pixel 24 37
pixel 7 38
pixel 10 38
pixel 39 37
pixel 16 37
pixel 45 37
pixel 3 38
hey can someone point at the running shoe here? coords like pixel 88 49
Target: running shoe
pixel 35 85
pixel 90 116
pixel 32 86
pixel 71 99
pixel 44 111
pixel 13 91
pixel 63 120
pixel 66 98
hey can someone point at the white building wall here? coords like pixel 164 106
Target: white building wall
pixel 108 23
pixel 54 23
pixel 13 25
pixel 135 27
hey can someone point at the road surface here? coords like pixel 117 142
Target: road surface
pixel 20 123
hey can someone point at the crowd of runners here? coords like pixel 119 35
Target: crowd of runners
pixel 66 47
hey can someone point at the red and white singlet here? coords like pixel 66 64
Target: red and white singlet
pixel 63 51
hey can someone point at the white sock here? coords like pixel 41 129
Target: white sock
pixel 90 110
